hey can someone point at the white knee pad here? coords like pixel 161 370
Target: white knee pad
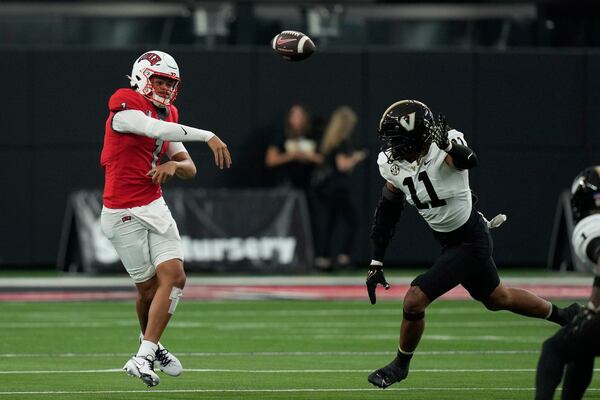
pixel 176 293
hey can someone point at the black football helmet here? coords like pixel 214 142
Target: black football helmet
pixel 585 193
pixel 406 130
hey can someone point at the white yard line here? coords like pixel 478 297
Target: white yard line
pixel 267 325
pixel 309 390
pixel 276 354
pixel 276 371
pixel 391 336
pixel 129 313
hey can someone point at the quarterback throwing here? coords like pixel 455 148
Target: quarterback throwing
pixel 141 128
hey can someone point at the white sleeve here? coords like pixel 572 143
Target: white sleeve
pixel 174 148
pixel 136 122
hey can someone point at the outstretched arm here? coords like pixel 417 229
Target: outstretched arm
pixel 387 215
pixel 138 123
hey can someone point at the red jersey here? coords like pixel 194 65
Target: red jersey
pixel 127 158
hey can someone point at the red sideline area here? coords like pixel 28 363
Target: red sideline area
pixel 302 292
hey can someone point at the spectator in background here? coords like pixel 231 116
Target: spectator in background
pixel 293 156
pixel 333 188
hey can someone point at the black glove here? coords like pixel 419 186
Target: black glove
pixel 440 133
pixel 583 318
pixel 374 277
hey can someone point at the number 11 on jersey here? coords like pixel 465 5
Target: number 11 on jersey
pixel 435 200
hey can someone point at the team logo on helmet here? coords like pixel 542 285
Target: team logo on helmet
pixel 155 63
pixel 408 121
pixel 152 58
pixel 405 130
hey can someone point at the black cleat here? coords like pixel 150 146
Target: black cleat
pixel 568 313
pixel 388 375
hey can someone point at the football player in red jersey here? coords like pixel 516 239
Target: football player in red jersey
pixel 142 127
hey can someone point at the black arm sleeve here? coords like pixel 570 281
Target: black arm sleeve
pixel 462 156
pixel 387 214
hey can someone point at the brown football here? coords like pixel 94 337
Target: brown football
pixel 293 45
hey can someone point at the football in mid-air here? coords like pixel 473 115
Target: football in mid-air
pixel 293 45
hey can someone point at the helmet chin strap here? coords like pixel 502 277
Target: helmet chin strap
pixel 158 101
pixel 158 104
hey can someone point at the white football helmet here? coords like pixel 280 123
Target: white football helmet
pixel 151 63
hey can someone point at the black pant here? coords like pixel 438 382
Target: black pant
pixel 466 259
pixel 574 345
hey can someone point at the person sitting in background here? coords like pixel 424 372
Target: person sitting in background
pixel 576 344
pixel 333 187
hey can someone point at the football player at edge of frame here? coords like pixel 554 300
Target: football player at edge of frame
pixel 142 126
pixel 576 344
pixel 426 164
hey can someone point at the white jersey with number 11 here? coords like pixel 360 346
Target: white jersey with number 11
pixel 439 192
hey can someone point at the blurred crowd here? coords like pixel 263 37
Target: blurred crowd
pixel 319 159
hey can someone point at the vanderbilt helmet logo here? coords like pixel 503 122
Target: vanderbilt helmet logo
pixel 408 121
pixel 152 58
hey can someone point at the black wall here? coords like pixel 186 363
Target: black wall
pixel 532 116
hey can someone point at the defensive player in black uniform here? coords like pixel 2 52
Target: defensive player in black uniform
pixel 577 343
pixel 426 164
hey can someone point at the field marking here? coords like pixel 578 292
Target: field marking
pixel 476 309
pixel 280 371
pixel 268 325
pixel 277 353
pixel 391 336
pixel 268 292
pixel 309 390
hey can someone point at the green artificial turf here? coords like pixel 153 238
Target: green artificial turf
pixel 269 350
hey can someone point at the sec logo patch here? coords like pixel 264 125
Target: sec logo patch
pixel 395 169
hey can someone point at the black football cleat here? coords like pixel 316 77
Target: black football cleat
pixel 569 312
pixel 388 375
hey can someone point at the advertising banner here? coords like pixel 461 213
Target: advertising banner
pixel 257 230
